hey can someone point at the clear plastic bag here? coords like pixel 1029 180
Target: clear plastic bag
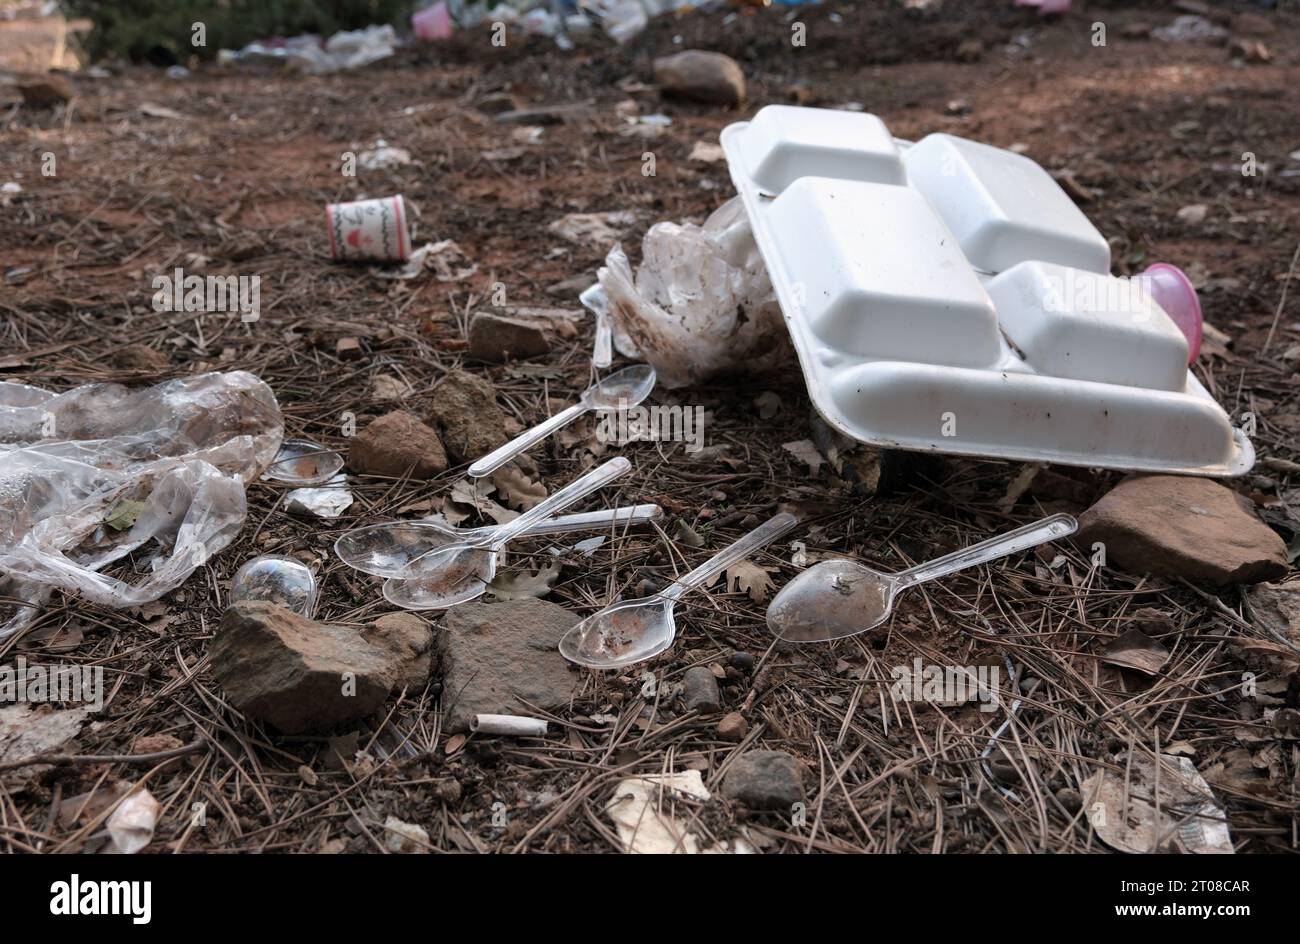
pixel 701 302
pixel 176 455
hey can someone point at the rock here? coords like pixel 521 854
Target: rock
pixel 764 780
pixel 1183 527
pixel 448 791
pixel 733 727
pixel 397 444
pixel 296 674
pixel 410 639
pixel 744 661
pixel 497 339
pixel 405 838
pixel 139 357
pixel 349 349
pixel 700 690
pixel 467 417
pixel 545 115
pixel 45 91
pixel 498 102
pixel 701 76
pixel 1193 213
pixel 501 658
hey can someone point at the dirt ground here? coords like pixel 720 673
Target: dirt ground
pixel 237 181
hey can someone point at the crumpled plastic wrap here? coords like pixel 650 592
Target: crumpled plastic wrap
pixel 701 302
pixel 183 450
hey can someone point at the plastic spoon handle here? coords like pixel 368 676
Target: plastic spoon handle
pixel 562 499
pixel 596 302
pixel 584 521
pixel 527 439
pixel 1031 535
pixel 764 534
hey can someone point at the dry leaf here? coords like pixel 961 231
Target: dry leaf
pixel 26 731
pixel 750 578
pixel 473 495
pixel 805 452
pixel 1136 650
pixel 517 489
pixel 522 586
pixel 388 387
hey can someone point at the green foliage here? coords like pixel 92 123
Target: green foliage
pixel 161 31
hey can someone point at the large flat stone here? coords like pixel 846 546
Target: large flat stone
pixel 501 658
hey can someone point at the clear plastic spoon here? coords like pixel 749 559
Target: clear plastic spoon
pixel 636 630
pixel 459 573
pixel 273 578
pixel 303 462
pixel 388 549
pixel 839 598
pixel 620 390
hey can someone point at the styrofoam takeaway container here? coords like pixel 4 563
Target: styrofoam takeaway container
pixel 949 296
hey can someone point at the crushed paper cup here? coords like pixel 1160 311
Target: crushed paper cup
pixel 369 230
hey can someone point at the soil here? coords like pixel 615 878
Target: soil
pixel 237 185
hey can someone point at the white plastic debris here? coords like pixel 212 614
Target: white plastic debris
pixel 101 472
pixel 131 825
pixel 383 156
pixel 328 501
pixel 949 296
pixel 405 838
pixel 1122 807
pixel 701 302
pixel 642 809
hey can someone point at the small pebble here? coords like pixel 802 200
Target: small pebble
pixel 733 727
pixel 701 690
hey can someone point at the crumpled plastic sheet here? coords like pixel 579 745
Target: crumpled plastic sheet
pixel 185 449
pixel 701 302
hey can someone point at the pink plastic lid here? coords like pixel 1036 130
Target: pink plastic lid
pixel 1173 292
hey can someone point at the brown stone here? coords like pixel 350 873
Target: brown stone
pixel 497 338
pixel 410 639
pixel 1174 526
pixel 397 444
pixel 296 674
pixel 45 91
pixel 467 417
pixel 701 76
pixel 501 658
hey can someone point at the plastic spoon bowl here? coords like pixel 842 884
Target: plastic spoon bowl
pixel 461 572
pixel 303 462
pixel 389 549
pixel 636 630
pixel 275 579
pixel 839 598
pixel 620 390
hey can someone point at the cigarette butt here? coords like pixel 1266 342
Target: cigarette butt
pixel 508 725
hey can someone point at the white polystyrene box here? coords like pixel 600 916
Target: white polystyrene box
pixel 880 275
pixel 1003 207
pixel 785 143
pixel 1086 326
pixel 885 370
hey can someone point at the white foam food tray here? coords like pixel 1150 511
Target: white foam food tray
pixel 947 295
